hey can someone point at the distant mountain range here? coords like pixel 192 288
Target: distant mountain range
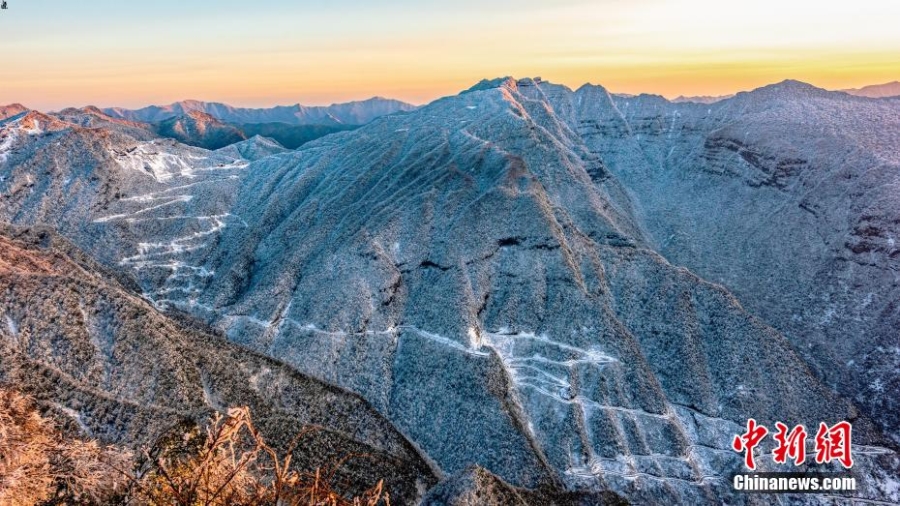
pixel 541 288
pixel 891 89
pixel 214 125
pixel 704 99
pixel 350 113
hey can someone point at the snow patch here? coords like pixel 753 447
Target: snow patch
pixel 11 326
pixel 75 416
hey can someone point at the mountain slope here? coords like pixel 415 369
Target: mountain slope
pixel 117 370
pixel 146 205
pixel 784 195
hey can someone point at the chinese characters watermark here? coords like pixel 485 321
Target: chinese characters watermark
pixel 831 443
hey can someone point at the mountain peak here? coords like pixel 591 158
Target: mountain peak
pixel 8 111
pixel 586 87
pixel 789 88
pixel 489 84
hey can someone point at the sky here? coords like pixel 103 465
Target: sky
pixel 259 53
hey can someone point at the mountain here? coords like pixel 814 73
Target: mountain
pixel 8 111
pixel 113 193
pixel 783 196
pixel 703 99
pixel 486 236
pixel 93 117
pixel 891 89
pixel 199 129
pixel 108 363
pixel 351 113
pixel 215 125
pixel 572 290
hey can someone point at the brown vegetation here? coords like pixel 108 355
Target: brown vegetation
pixel 38 464
pixel 233 465
pixel 227 464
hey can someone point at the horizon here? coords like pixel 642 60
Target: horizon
pixel 379 97
pixel 112 54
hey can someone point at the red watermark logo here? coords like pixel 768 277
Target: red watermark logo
pixel 831 443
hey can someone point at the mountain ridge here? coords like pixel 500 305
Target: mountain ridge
pixel 891 89
pixel 347 113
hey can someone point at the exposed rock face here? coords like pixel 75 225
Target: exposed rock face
pixel 498 272
pixel 350 113
pixel 118 370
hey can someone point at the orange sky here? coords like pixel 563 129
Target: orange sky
pixel 105 52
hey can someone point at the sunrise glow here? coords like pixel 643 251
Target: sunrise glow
pixel 270 52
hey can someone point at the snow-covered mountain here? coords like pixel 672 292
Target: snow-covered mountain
pixel 567 288
pixel 783 195
pixel 351 113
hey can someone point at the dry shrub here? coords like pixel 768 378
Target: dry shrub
pixel 38 464
pixel 228 464
pixel 232 465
